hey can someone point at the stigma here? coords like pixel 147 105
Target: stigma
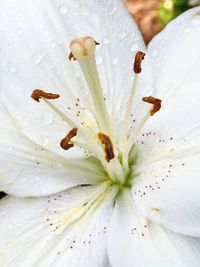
pixel 82 47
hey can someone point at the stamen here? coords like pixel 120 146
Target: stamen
pixel 85 133
pixel 137 69
pixel 138 60
pixel 83 50
pixel 156 107
pixel 156 104
pixel 66 142
pixel 109 152
pixel 38 94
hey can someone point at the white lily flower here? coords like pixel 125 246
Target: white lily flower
pixel 108 178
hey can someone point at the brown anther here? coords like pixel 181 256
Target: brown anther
pixel 38 93
pixel 138 60
pixel 155 102
pixel 66 142
pixel 96 43
pixel 105 140
pixel 71 57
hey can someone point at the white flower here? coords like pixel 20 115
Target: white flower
pixel 125 189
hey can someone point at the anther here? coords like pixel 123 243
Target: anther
pixel 82 47
pixel 38 94
pixel 155 102
pixel 138 60
pixel 66 142
pixel 71 57
pixel 106 141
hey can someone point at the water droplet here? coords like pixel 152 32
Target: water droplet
pixel 106 41
pixel 38 57
pixel 154 53
pixel 123 35
pixel 114 61
pixel 12 68
pixel 99 60
pixel 63 9
pixel 134 47
pixel 46 32
pixel 48 118
pixel 46 141
pixel 10 226
pixel 113 11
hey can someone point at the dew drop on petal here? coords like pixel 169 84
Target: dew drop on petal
pixel 10 226
pixel 48 118
pixel 63 9
pixel 99 60
pixel 12 68
pixel 46 33
pixel 114 61
pixel 134 47
pixel 38 57
pixel 45 142
pixel 106 41
pixel 123 35
pixel 154 53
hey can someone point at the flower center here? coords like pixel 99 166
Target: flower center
pixel 116 153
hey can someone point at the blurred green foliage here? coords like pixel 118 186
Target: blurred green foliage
pixel 169 9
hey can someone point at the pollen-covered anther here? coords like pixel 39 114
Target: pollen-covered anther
pixel 66 142
pixel 155 102
pixel 38 94
pixel 82 47
pixel 106 141
pixel 138 60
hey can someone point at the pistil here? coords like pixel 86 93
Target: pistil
pixel 83 50
pixel 98 139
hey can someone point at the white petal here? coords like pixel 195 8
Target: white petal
pixel 34 44
pixel 134 241
pixel 63 230
pixel 166 189
pixel 174 54
pixel 27 169
pixel 167 192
